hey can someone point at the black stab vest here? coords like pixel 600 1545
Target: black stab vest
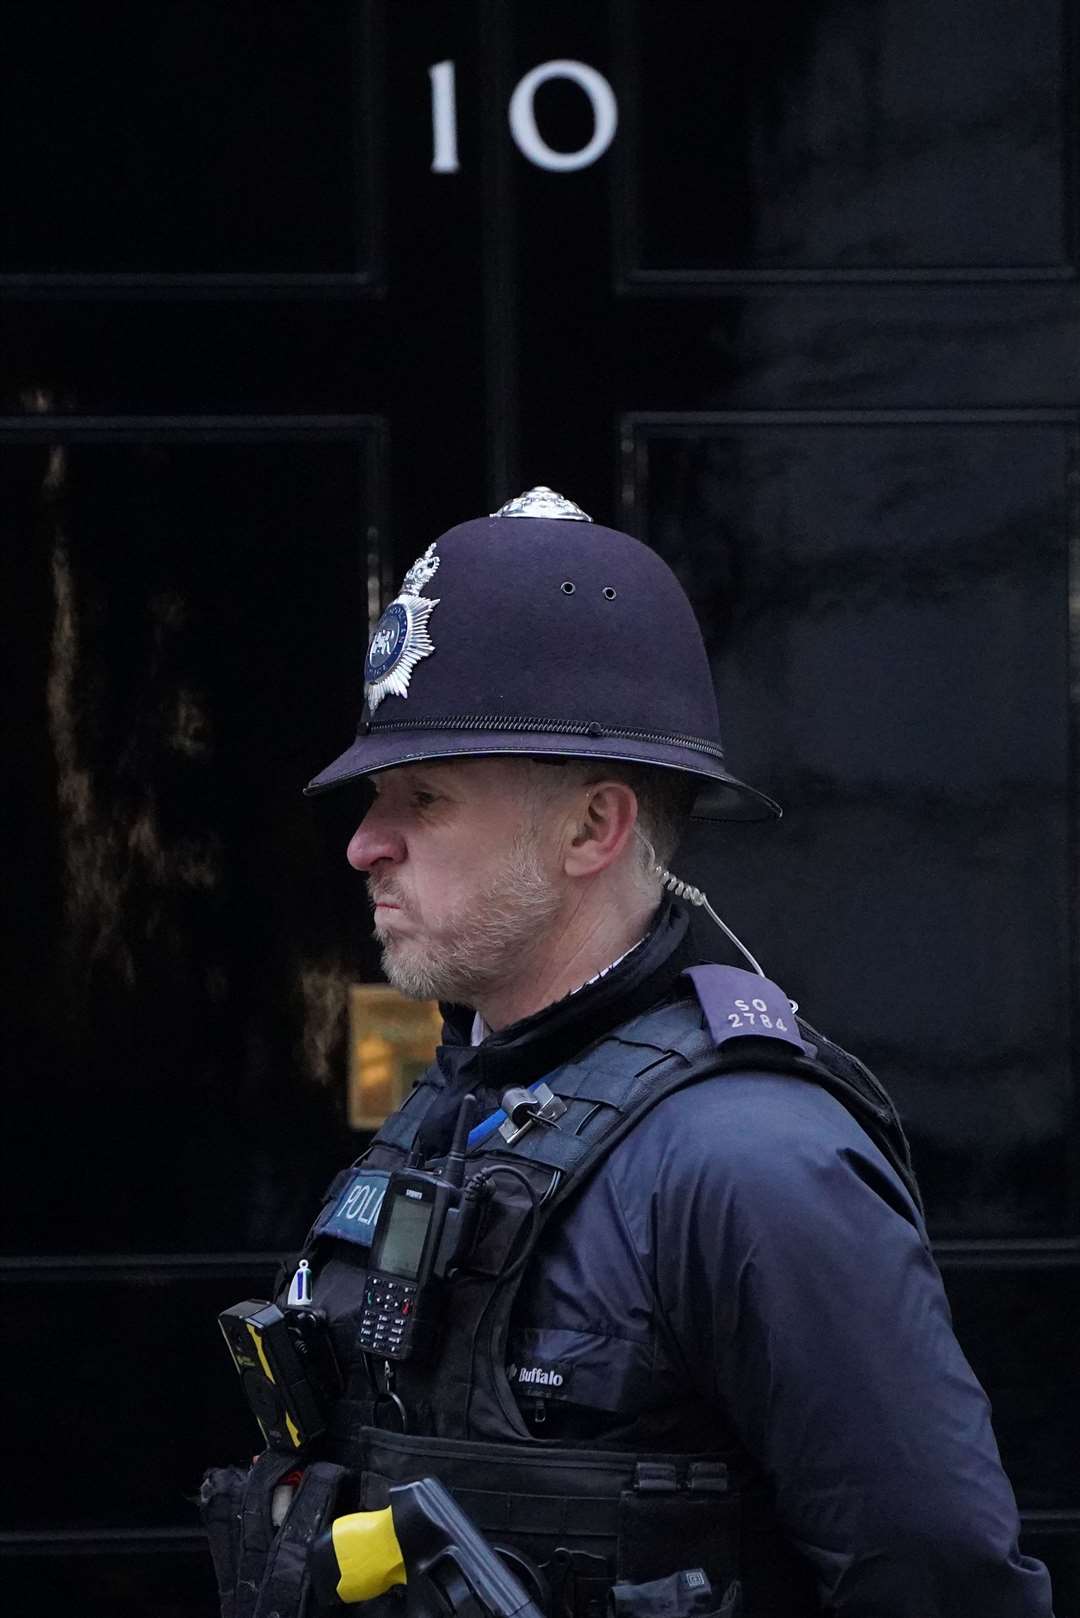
pixel 627 1509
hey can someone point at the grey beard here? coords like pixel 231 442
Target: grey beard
pixel 487 941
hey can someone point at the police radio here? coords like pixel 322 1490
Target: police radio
pixel 425 1227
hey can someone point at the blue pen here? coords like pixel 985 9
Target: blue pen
pixel 487 1126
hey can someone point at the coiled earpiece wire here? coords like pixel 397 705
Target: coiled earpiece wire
pixel 685 890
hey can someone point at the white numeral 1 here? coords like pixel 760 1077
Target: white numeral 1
pixel 443 118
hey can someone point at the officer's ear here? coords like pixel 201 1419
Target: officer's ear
pixel 601 829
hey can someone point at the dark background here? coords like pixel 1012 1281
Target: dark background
pixel 808 326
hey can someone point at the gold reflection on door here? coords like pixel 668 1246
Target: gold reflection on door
pixel 391 1042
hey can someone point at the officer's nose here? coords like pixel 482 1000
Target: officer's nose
pixel 375 839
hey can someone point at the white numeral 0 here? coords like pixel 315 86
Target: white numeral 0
pixel 522 115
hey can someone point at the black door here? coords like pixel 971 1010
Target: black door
pixel 789 291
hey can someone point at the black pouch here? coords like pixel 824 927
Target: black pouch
pixel 285 1585
pixel 519 1495
pixel 220 1499
pixel 667 1521
pixel 687 1594
pixel 235 1504
pixel 584 1518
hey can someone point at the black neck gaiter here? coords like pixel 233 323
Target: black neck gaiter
pixel 527 1050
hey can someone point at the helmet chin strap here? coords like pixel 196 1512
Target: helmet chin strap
pixel 684 890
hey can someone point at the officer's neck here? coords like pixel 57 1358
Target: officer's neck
pixel 580 944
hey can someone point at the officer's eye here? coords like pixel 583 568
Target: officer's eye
pixel 423 799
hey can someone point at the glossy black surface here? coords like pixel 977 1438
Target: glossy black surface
pixel 878 139
pixel 187 940
pixel 810 325
pixel 127 1583
pixel 136 1373
pixel 885 610
pixel 195 140
pixel 1017 1326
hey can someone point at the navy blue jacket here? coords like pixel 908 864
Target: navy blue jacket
pixel 749 1258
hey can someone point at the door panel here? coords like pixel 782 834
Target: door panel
pixel 836 143
pixel 195 585
pixel 195 147
pixel 884 600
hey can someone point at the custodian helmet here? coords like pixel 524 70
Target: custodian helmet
pixel 529 632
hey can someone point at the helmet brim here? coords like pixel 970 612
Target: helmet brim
pixel 721 796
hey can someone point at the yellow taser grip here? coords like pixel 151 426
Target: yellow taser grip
pixel 368 1554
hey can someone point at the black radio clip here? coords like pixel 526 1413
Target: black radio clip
pixel 425 1228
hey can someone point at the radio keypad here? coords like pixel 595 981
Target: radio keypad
pixel 387 1316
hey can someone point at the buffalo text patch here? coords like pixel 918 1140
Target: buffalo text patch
pixel 539 1378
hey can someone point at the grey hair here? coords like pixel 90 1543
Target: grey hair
pixel 664 800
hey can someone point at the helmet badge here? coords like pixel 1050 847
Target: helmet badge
pixel 543 502
pixel 401 636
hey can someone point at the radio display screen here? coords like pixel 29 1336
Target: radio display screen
pixel 403 1240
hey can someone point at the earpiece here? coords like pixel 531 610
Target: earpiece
pixel 684 890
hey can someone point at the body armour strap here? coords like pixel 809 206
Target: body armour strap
pixel 742 1006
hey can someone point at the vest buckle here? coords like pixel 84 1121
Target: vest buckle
pixel 655 1477
pixel 523 1108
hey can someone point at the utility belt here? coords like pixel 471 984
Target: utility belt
pixel 584 1519
pixel 593 1532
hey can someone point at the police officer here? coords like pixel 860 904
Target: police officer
pixel 693 1354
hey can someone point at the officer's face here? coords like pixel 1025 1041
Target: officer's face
pixel 463 872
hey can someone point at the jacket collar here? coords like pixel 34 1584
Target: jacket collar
pixel 526 1050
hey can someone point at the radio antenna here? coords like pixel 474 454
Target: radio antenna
pixel 454 1172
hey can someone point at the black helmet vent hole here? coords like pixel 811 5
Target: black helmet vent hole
pixel 567 588
pixel 609 593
